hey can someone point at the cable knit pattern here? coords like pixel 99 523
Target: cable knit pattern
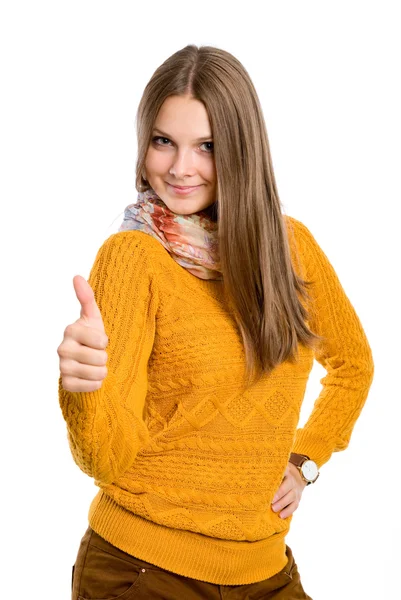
pixel 187 464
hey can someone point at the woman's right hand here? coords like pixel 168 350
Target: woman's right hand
pixel 82 352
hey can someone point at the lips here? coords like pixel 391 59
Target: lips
pixel 183 187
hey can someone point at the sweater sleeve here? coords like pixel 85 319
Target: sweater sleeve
pixel 345 354
pixel 105 428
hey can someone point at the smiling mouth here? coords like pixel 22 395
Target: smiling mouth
pixel 184 187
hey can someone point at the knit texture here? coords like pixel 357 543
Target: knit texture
pixel 187 465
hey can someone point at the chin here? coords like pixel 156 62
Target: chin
pixel 183 210
pixel 186 206
pixel 182 205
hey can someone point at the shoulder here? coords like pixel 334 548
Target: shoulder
pixel 133 237
pixel 131 249
pixel 306 252
pixel 295 227
pixel 299 235
pixel 126 245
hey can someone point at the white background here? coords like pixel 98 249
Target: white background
pixel 72 74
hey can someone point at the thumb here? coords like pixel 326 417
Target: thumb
pixel 89 309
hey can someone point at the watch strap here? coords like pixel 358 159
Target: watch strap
pixel 298 459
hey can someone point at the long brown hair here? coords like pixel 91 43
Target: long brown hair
pixel 264 290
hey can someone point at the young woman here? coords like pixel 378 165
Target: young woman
pixel 182 381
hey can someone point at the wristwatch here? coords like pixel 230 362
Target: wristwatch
pixel 308 468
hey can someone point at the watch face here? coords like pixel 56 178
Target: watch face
pixel 310 470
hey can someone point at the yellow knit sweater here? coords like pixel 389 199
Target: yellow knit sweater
pixel 187 466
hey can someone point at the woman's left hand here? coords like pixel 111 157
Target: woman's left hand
pixel 289 493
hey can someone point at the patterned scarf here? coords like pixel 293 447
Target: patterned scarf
pixel 190 239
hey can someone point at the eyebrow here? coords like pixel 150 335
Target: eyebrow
pixel 202 139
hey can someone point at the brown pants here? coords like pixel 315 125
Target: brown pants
pixel 103 571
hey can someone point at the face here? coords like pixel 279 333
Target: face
pixel 181 154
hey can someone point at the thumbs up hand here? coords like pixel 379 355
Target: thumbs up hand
pixel 82 352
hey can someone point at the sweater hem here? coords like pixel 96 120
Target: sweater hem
pixel 187 553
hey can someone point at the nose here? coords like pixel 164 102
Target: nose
pixel 183 165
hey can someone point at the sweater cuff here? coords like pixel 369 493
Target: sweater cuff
pixel 90 401
pixel 307 442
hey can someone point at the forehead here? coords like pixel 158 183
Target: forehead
pixel 183 117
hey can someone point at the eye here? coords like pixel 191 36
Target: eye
pixel 159 141
pixel 160 138
pixel 210 149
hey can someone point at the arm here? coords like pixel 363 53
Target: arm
pixel 345 354
pixel 105 428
